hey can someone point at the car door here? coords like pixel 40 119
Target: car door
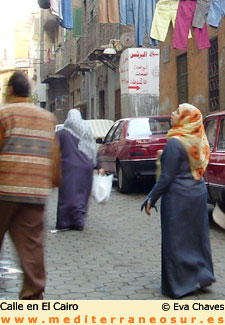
pixel 104 151
pixel 114 146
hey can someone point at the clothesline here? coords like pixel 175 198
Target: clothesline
pixel 154 17
pixel 62 9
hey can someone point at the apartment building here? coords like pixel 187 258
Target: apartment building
pixel 193 76
pixel 81 66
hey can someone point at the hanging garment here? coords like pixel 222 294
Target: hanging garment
pixel 165 12
pixel 201 13
pixel 44 4
pixel 185 14
pixel 143 15
pixel 55 8
pixel 126 12
pixel 67 21
pixel 108 11
pixel 216 11
pixel 48 61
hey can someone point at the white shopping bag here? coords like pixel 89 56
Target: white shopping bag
pixel 101 187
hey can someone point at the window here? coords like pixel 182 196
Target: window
pixel 110 133
pixel 145 127
pixel 117 134
pixel 182 79
pixel 221 139
pixel 213 76
pixel 77 22
pixel 117 105
pixel 210 129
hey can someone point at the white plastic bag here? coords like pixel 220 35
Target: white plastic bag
pixel 101 187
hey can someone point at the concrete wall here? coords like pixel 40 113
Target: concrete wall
pixel 139 105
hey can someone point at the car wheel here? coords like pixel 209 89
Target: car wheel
pixel 124 184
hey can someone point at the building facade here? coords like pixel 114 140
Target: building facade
pixel 193 76
pixel 79 68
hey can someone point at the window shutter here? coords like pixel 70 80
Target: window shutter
pixel 77 22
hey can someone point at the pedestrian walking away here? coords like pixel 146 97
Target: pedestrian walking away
pixel 29 167
pixel 186 255
pixel 78 159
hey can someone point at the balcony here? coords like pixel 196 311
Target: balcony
pixel 66 58
pixel 48 72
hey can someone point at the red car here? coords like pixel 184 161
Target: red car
pixel 129 148
pixel 215 172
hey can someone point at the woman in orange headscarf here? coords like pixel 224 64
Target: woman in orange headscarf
pixel 186 255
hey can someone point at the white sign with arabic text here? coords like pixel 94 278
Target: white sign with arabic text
pixel 139 71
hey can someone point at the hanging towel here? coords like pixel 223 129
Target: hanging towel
pixel 67 21
pixel 165 12
pixel 55 8
pixel 48 61
pixel 216 11
pixel 108 11
pixel 185 15
pixel 201 13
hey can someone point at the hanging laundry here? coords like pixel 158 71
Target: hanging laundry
pixel 48 61
pixel 44 4
pixel 67 21
pixel 143 15
pixel 108 11
pixel 201 13
pixel 216 11
pixel 56 8
pixel 165 12
pixel 185 15
pixel 126 12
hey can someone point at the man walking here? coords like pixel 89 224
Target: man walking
pixel 29 167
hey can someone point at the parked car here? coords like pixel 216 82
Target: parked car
pixel 215 172
pixel 129 149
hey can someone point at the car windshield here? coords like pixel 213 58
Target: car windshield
pixel 145 127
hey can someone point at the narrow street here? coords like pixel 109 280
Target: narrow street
pixel 117 256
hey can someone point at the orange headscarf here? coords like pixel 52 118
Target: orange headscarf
pixel 191 133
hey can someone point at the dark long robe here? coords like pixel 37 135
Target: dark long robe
pixel 77 174
pixel 186 254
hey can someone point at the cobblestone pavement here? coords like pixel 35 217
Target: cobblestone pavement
pixel 117 256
